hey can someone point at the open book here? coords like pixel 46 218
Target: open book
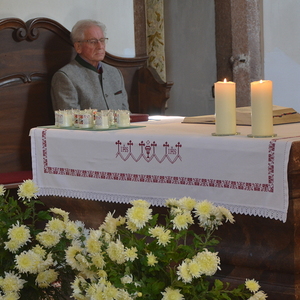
pixel 281 115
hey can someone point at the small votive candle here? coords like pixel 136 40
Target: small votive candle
pixel 123 118
pixel 262 108
pixel 102 120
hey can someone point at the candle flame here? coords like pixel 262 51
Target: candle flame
pixel 225 80
pixel 261 81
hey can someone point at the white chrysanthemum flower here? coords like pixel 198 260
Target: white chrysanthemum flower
pixel 194 268
pixel 259 296
pixel 172 202
pixel 182 221
pixel 71 254
pixel 127 279
pixel 39 250
pixel 174 211
pixel 48 238
pixel 187 203
pixel 56 225
pixel 2 190
pixel 72 230
pixel 156 231
pixel 209 262
pixel 139 215
pixel 11 283
pixel 98 260
pixel 93 245
pixel 116 252
pixel 27 190
pixel 28 262
pixel 172 294
pixel 252 285
pixel 19 233
pixel 102 274
pixel 60 212
pixel 110 224
pixel 140 203
pixel 45 278
pixel 131 253
pixel 164 238
pixel 151 259
pixel 204 209
pixel 227 214
pixel 184 273
pixel 12 246
pixel 131 226
pixel 110 292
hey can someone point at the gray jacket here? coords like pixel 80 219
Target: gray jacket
pixel 78 85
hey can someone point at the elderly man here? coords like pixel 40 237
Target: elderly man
pixel 87 82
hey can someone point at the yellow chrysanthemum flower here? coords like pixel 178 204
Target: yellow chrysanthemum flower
pixel 60 212
pixel 71 230
pixel 204 209
pixel 93 245
pixel 39 250
pixel 110 223
pixel 140 203
pixel 45 278
pixel 131 226
pixel 259 296
pixel 183 272
pixel 252 285
pixel 28 262
pixel 139 215
pixel 172 202
pixel 27 190
pixel 56 225
pixel 2 190
pixel 187 203
pixel 227 214
pixel 182 221
pixel 48 238
pixel 172 294
pixel 131 253
pixel 11 283
pixel 151 259
pixel 98 260
pixel 209 262
pixel 156 231
pixel 19 233
pixel 164 238
pixel 115 251
pixel 12 246
pixel 194 268
pixel 110 292
pixel 127 279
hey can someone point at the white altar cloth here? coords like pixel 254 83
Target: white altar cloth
pixel 167 159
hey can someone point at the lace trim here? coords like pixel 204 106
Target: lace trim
pixel 116 198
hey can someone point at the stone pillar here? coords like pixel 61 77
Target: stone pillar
pixel 239 45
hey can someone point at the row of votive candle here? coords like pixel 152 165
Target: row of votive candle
pixel 91 118
pixel 261 108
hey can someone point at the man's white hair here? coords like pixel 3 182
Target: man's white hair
pixel 77 33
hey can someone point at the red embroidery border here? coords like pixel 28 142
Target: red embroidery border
pixel 247 186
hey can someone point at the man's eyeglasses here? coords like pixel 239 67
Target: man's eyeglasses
pixel 94 42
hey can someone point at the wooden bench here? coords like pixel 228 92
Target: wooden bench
pixel 30 54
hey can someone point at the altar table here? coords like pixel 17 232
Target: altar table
pixel 257 178
pixel 157 160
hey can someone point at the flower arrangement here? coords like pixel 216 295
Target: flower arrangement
pixel 141 255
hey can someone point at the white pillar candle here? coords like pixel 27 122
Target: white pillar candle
pixel 225 107
pixel 262 108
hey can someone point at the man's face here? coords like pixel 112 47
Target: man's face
pixel 92 53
